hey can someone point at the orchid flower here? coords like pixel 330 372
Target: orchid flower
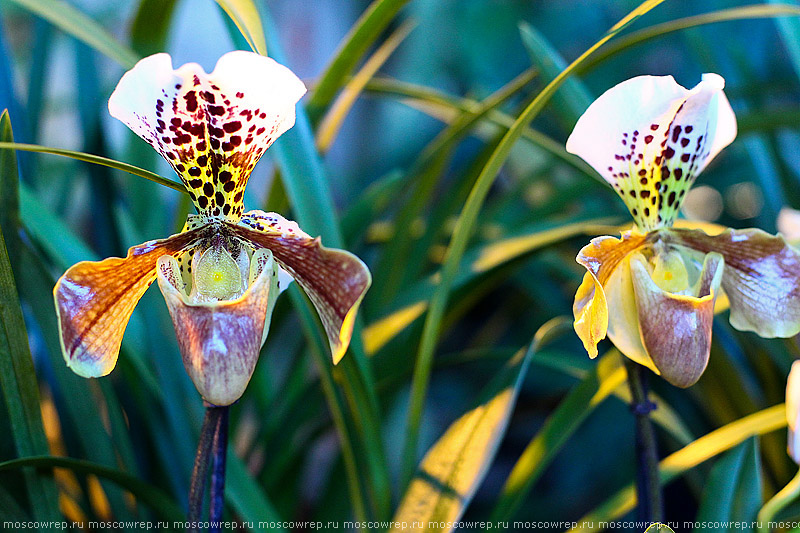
pixel 653 290
pixel 221 275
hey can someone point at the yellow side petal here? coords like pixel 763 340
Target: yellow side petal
pixel 591 313
pixel 600 258
pixel 94 301
pixel 624 328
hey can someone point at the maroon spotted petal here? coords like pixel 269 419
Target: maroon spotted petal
pixel 212 128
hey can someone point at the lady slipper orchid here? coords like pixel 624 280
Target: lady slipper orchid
pixel 221 275
pixel 653 290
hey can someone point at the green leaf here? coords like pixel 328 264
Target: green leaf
pixel 17 375
pixel 244 14
pixel 454 466
pixel 777 503
pixel 658 30
pixel 572 98
pixel 98 160
pixel 151 25
pixel 319 351
pixel 448 108
pixel 360 37
pixel 244 494
pixel 9 189
pixel 691 455
pixel 64 248
pixel 150 495
pixel 302 172
pixel 330 125
pixel 422 180
pixel 602 381
pixel 310 197
pixel 82 416
pixel 73 22
pixel 733 492
pixel 463 231
pixel 370 204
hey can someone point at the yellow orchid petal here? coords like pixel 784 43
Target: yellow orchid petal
pixel 761 279
pixel 650 138
pixel 676 328
pixel 335 280
pixel 669 271
pixel 600 258
pixel 220 341
pixel 212 128
pixel 623 327
pixel 94 301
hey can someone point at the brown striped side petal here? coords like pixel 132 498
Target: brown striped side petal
pixel 94 301
pixel 761 279
pixel 335 280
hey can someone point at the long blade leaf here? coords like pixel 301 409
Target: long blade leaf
pixel 244 14
pixel 451 471
pixel 17 375
pixel 360 37
pixel 97 160
pixel 151 495
pixel 688 457
pixel 73 22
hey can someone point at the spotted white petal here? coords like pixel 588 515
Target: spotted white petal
pixel 650 137
pixel 212 128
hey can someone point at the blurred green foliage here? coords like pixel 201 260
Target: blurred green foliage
pixel 447 165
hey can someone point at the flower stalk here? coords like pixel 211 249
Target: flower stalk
pixel 219 455
pixel 213 444
pixel 648 486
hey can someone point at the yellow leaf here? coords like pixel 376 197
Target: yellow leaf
pixel 244 14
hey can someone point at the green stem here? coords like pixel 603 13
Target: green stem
pixel 784 497
pixel 648 488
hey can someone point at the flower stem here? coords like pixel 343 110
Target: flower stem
pixel 219 452
pixel 648 486
pixel 208 438
pixel 784 497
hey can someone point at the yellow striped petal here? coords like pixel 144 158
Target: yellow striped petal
pixel 94 301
